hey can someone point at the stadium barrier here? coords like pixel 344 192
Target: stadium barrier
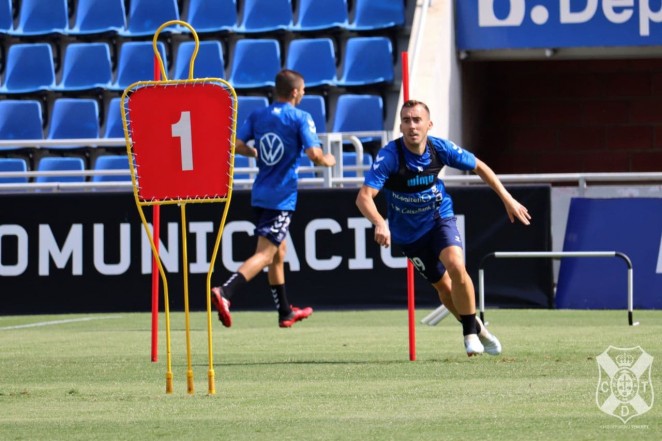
pixel 330 177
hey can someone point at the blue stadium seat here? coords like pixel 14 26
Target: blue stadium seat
pixel 247 104
pixel 113 127
pixel 367 61
pixel 241 161
pixel 255 63
pixel 6 17
pixel 29 68
pixel 145 17
pixel 359 113
pixel 42 17
pixel 261 16
pixel 209 62
pixel 73 118
pixel 350 159
pixel 86 66
pixel 315 105
pixel 112 162
pixel 20 119
pixel 321 15
pixel 98 17
pixel 59 163
pixel 207 16
pixel 371 15
pixel 315 59
pixel 13 165
pixel 136 63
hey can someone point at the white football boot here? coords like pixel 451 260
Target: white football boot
pixel 473 345
pixel 491 344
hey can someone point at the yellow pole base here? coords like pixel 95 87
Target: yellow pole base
pixel 189 382
pixel 169 387
pixel 212 382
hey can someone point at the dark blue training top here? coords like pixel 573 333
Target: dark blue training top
pixel 411 214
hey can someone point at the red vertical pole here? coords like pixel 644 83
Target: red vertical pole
pixel 156 231
pixel 411 303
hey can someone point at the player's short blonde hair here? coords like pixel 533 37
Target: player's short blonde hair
pixel 414 103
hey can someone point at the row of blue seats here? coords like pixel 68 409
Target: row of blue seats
pixel 121 162
pixel 79 118
pixel 30 66
pixel 44 17
pixel 64 164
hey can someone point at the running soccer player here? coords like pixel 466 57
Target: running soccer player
pixel 420 214
pixel 281 133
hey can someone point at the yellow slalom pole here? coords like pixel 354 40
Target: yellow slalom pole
pixel 166 308
pixel 166 297
pixel 187 315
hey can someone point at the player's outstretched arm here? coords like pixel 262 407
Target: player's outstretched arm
pixel 366 203
pixel 513 207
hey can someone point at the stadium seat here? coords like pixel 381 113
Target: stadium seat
pixel 98 17
pixel 350 159
pixel 261 16
pixel 136 63
pixel 59 163
pixel 359 113
pixel 209 61
pixel 371 15
pixel 206 16
pixel 255 63
pixel 6 17
pixel 86 66
pixel 20 119
pixel 29 68
pixel 145 17
pixel 315 59
pixel 13 165
pixel 321 15
pixel 367 61
pixel 113 127
pixel 247 104
pixel 41 18
pixel 241 161
pixel 73 118
pixel 314 104
pixel 112 162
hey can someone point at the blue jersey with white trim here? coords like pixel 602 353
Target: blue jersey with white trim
pixel 411 215
pixel 281 133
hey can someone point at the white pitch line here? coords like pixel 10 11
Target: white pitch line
pixel 56 322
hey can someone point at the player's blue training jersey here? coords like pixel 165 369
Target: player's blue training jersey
pixel 411 214
pixel 281 133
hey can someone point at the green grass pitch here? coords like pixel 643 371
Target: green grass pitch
pixel 336 376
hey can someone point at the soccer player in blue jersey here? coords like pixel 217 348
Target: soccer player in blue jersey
pixel 281 133
pixel 420 214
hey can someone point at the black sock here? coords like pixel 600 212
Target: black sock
pixel 230 285
pixel 280 299
pixel 478 328
pixel 469 324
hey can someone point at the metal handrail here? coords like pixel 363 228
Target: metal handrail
pixel 332 142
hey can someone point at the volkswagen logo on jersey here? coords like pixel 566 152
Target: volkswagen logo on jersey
pixel 271 148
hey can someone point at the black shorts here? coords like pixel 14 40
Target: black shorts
pixel 424 253
pixel 272 224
